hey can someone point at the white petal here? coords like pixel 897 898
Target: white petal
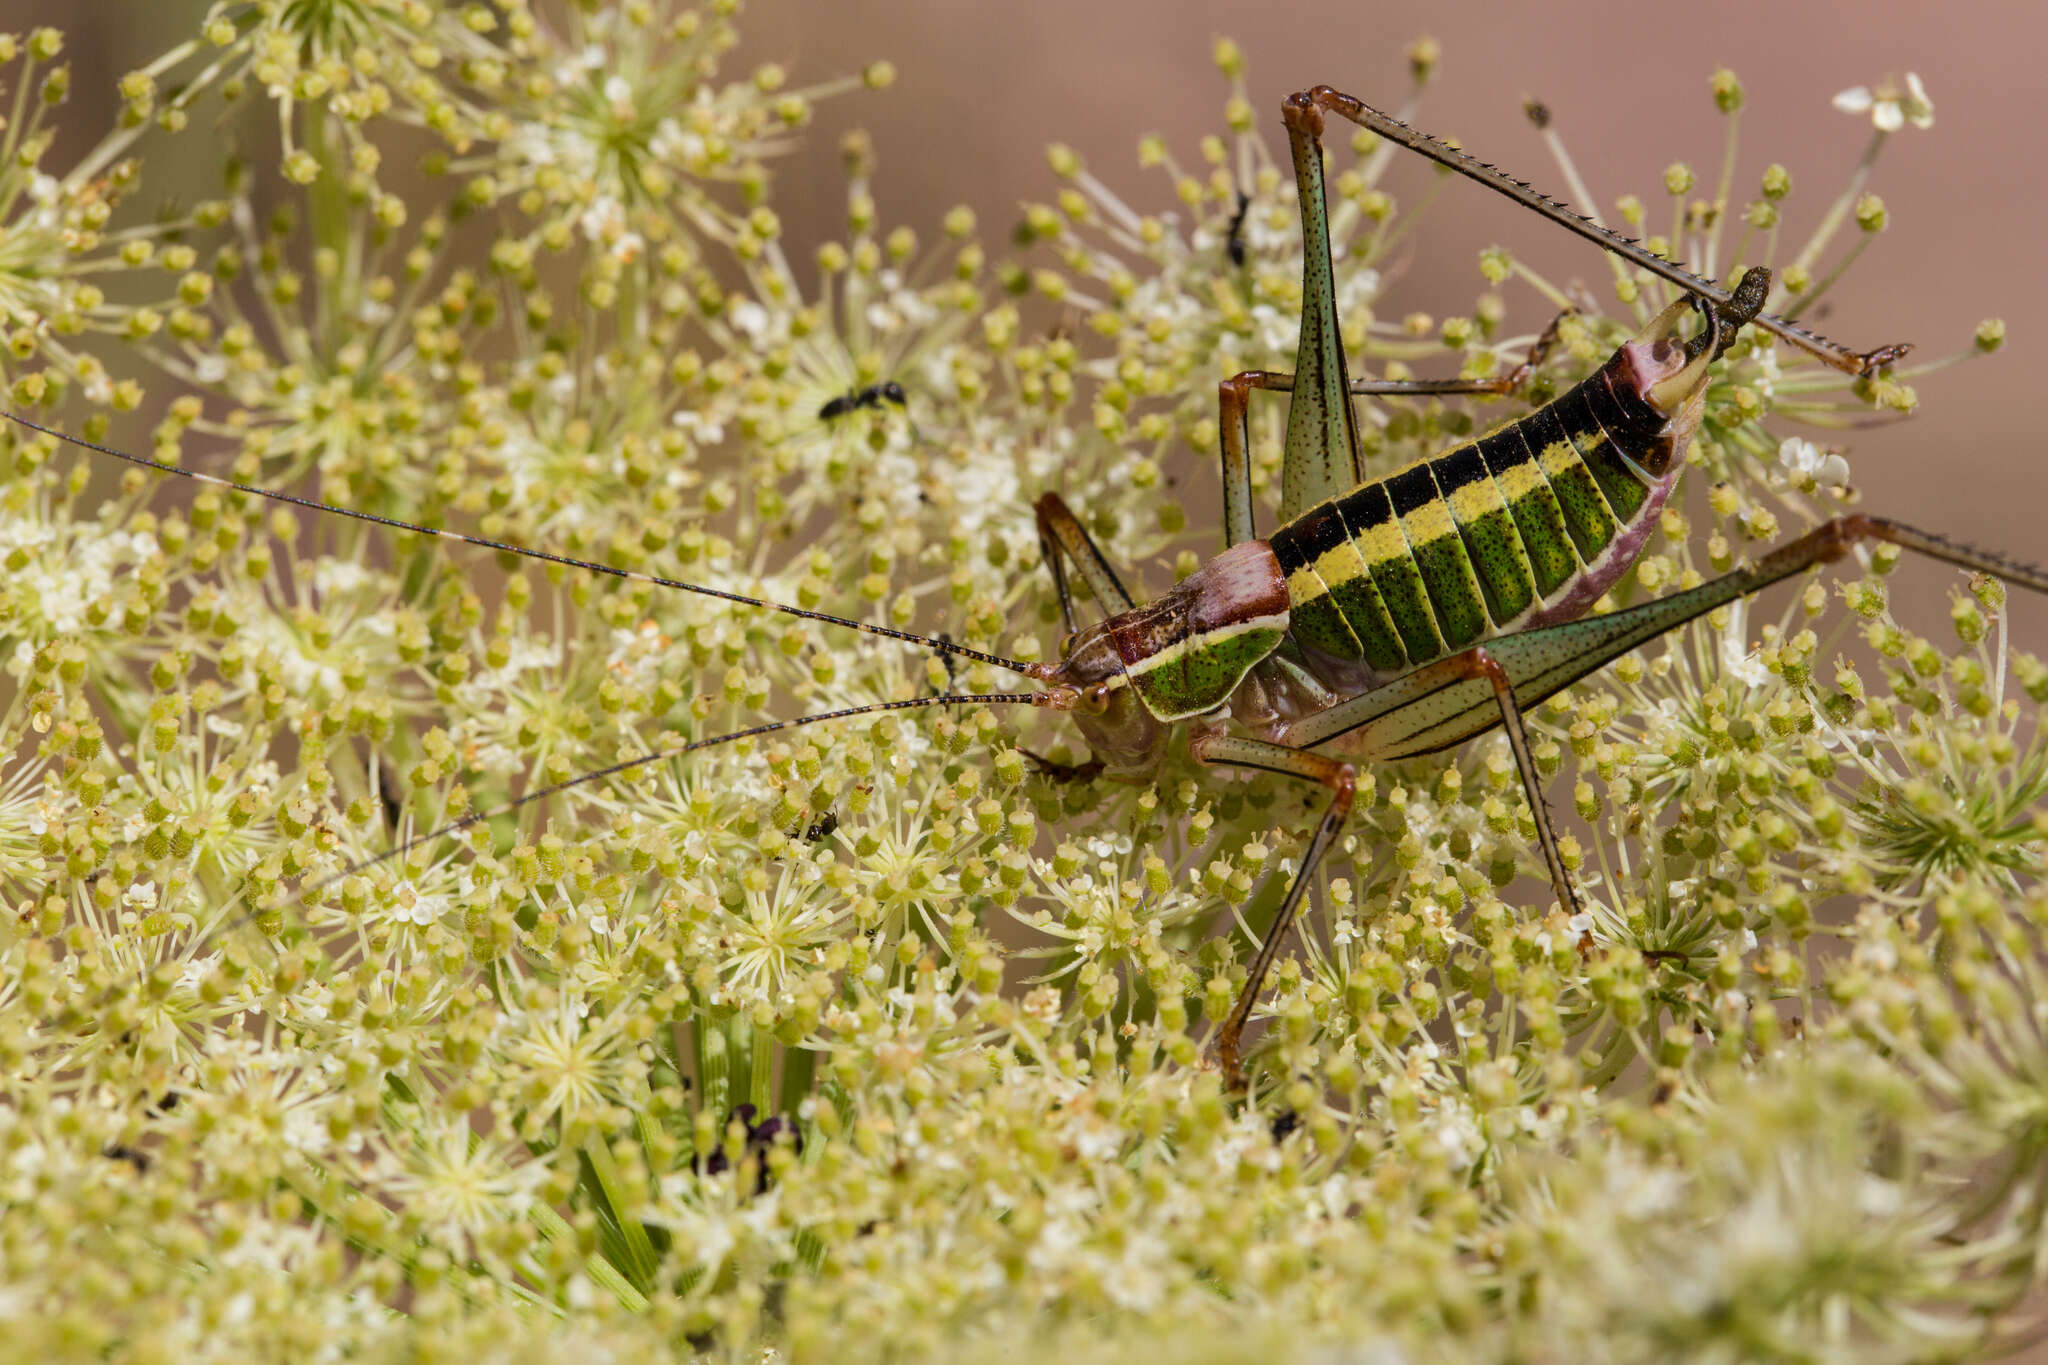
pixel 1887 116
pixel 1919 108
pixel 1798 454
pixel 1854 100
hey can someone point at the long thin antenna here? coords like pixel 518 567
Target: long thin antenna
pixel 627 765
pixel 932 642
pixel 676 751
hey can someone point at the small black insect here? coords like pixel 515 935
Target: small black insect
pixel 761 1137
pixel 873 396
pixel 118 1152
pixel 1285 1122
pixel 818 830
pixel 1234 243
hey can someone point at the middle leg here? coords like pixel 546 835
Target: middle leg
pixel 1340 777
pixel 1342 780
pixel 1479 663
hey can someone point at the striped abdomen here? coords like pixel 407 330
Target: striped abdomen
pixel 1531 522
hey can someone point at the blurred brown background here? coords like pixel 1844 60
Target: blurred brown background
pixel 983 87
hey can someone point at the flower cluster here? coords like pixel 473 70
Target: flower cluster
pixel 379 981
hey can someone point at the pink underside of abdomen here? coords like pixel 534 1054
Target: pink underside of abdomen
pixel 1614 562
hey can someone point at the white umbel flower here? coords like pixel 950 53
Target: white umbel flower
pixel 1889 107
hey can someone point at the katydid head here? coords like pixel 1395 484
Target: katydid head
pixel 1090 685
pixel 1128 677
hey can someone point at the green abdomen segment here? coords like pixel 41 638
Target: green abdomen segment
pixel 1586 513
pixel 1440 555
pixel 1335 605
pixel 1623 488
pixel 1500 560
pixel 1539 521
pixel 1368 516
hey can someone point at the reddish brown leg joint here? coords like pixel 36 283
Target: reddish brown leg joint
pixel 1303 111
pixel 1477 663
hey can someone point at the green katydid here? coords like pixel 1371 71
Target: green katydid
pixel 1383 617
pixel 1395 616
